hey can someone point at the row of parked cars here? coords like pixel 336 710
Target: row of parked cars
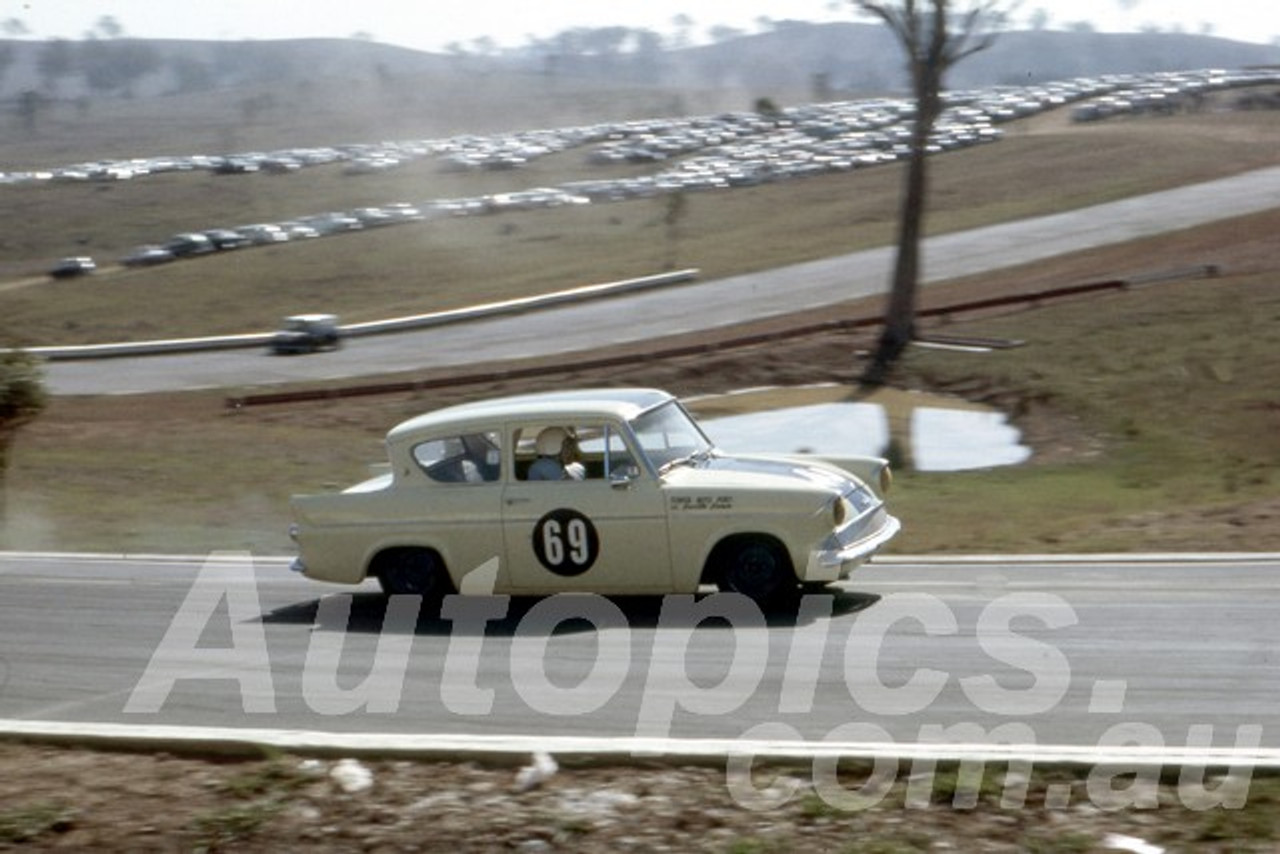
pixel 650 140
pixel 689 153
pixel 193 244
pixel 280 162
pixel 1164 94
pixel 190 244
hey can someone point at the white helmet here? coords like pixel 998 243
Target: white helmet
pixel 550 440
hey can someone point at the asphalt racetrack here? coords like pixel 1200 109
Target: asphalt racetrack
pixel 682 309
pixel 1164 653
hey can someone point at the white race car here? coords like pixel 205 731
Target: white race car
pixel 608 491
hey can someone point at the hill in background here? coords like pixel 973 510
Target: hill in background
pixel 851 58
pixel 862 57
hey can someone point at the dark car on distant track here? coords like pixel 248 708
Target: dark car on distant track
pixel 307 333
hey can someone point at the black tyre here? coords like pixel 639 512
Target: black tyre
pixel 413 572
pixel 759 570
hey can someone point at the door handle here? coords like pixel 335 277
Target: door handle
pixel 511 501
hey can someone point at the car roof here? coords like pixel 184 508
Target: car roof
pixel 621 403
pixel 311 318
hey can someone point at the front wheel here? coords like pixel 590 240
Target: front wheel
pixel 759 570
pixel 413 572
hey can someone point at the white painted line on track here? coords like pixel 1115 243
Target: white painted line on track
pixel 1100 558
pixel 604 748
pixel 230 556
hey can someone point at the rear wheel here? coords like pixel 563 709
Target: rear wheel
pixel 412 572
pixel 758 569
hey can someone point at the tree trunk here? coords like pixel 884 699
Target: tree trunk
pixel 931 47
pixel 900 315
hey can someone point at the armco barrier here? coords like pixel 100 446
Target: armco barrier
pixel 513 371
pixel 376 327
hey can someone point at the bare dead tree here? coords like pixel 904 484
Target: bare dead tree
pixel 935 35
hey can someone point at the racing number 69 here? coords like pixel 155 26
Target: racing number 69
pixel 574 535
pixel 565 542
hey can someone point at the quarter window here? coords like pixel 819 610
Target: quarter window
pixel 466 458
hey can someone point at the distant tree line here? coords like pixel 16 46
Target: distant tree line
pixel 615 41
pixel 106 60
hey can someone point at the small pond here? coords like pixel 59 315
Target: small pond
pixel 939 433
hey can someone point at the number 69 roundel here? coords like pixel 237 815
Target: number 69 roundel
pixel 566 542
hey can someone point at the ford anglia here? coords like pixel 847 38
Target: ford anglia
pixel 608 491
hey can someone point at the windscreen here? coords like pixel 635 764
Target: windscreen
pixel 667 433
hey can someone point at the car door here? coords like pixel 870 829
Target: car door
pixel 605 533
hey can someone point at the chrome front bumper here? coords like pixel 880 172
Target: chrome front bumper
pixel 837 560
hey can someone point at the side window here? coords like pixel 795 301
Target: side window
pixel 619 461
pixel 468 458
pixel 560 452
pixel 550 452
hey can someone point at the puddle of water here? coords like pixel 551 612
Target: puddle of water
pixel 943 435
pixel 959 439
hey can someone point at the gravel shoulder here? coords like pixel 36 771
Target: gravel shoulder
pixel 85 800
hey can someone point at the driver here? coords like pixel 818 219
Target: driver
pixel 558 456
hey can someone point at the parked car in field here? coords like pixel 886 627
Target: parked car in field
pixel 224 239
pixel 307 333
pixel 298 231
pixel 69 268
pixel 263 233
pixel 334 222
pixel 190 243
pixel 644 503
pixel 145 256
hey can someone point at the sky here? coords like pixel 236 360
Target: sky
pixel 434 24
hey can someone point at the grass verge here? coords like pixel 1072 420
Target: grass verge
pixel 1154 423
